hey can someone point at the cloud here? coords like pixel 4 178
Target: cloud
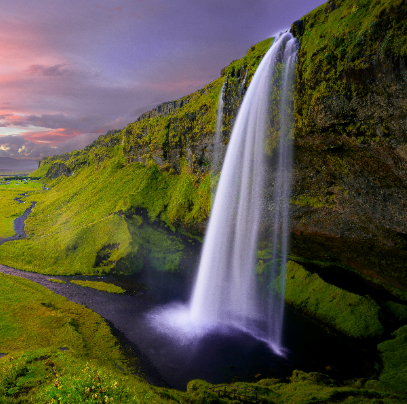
pixel 19 147
pixel 41 70
pixel 71 70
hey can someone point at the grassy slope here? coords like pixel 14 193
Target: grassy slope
pixel 34 323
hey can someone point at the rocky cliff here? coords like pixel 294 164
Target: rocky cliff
pixel 349 198
pixel 349 194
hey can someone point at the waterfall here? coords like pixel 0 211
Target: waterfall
pixel 241 89
pixel 217 141
pixel 225 291
pixel 281 197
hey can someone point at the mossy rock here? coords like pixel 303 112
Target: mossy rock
pixel 100 285
pixel 393 377
pixel 397 310
pixel 354 315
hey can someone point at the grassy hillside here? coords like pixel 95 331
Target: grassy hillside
pixel 116 204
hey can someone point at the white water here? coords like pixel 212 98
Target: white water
pixel 226 291
pixel 243 83
pixel 217 142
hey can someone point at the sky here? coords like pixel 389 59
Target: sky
pixel 70 70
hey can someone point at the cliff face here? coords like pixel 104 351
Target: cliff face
pixel 350 192
pixel 350 177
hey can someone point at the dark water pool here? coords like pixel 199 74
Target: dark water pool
pixel 226 355
pixel 221 356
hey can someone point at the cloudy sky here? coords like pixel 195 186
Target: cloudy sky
pixel 71 69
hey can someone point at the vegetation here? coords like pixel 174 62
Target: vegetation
pixel 56 280
pixel 354 315
pixel 61 352
pixel 100 285
pixel 343 38
pixel 10 208
pixel 140 198
pixel 394 356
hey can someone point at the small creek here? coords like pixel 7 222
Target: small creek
pixel 19 223
pixel 219 357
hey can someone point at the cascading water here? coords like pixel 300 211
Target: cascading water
pixel 226 290
pixel 217 143
pixel 281 198
pixel 241 89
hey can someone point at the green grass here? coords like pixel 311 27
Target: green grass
pixel 99 285
pixel 81 220
pixel 55 280
pixel 353 315
pixel 34 323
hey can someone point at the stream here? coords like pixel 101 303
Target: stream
pixel 19 223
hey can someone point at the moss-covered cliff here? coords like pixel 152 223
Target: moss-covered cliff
pixel 349 198
pixel 140 197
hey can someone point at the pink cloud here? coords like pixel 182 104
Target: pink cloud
pixel 52 137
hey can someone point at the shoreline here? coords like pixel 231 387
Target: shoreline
pixel 89 297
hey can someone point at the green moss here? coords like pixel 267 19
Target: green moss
pixel 302 388
pixel 55 280
pixel 394 355
pixel 100 285
pixel 314 201
pixel 353 315
pixel 397 310
pixel 341 41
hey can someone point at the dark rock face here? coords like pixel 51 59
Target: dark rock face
pixel 350 183
pixel 188 138
pixel 164 109
pixel 56 170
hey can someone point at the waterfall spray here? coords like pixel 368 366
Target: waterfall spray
pixel 226 288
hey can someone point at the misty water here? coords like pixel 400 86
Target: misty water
pixel 222 355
